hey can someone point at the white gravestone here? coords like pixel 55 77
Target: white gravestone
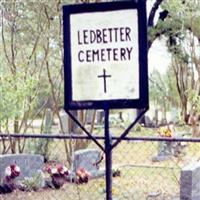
pixel 48 120
pixel 64 120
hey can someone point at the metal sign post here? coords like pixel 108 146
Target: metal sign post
pixel 108 156
pixel 105 64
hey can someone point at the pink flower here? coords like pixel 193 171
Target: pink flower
pixel 8 171
pixel 63 170
pixel 12 171
pixel 58 175
pixel 82 175
pixel 58 170
pixel 54 171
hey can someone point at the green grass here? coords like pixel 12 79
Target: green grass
pixel 140 176
pixel 133 183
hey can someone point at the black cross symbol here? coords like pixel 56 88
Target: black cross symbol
pixel 104 76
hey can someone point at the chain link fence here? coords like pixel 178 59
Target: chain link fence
pixel 144 168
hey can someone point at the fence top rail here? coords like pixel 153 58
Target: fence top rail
pixel 78 136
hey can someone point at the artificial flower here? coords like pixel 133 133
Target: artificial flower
pixel 82 175
pixel 12 171
pixel 166 131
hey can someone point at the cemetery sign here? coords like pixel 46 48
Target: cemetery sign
pixel 105 56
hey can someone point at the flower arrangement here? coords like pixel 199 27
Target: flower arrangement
pixel 166 131
pixel 116 172
pixel 58 175
pixel 8 185
pixel 12 171
pixel 82 176
pixel 60 170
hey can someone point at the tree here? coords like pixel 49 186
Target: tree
pixel 31 57
pixel 163 91
pixel 180 27
pixel 20 75
pixel 31 75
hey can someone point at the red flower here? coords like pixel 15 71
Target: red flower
pixel 12 171
pixel 82 175
pixel 60 170
pixel 58 175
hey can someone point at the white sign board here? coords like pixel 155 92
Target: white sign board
pixel 104 55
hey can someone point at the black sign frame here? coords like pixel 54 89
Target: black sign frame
pixel 143 101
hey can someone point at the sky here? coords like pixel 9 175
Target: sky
pixel 158 57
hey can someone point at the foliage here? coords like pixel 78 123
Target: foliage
pixel 163 86
pixel 15 92
pixel 33 183
pixel 116 172
pixel 138 127
pixel 31 46
pixel 31 43
pixel 181 30
pixel 40 146
pixel 195 100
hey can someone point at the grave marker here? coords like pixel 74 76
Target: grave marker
pixel 48 120
pixel 100 115
pixel 64 120
pixel 165 151
pixel 88 159
pixel 90 116
pixel 28 163
pixel 189 182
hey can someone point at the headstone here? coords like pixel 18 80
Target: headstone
pixel 48 121
pixel 148 122
pixel 87 159
pixel 129 115
pixel 114 119
pixel 64 120
pixel 100 115
pixel 89 116
pixel 189 182
pixel 165 151
pixel 180 149
pixel 28 163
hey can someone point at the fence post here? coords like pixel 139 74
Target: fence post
pixel 108 155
